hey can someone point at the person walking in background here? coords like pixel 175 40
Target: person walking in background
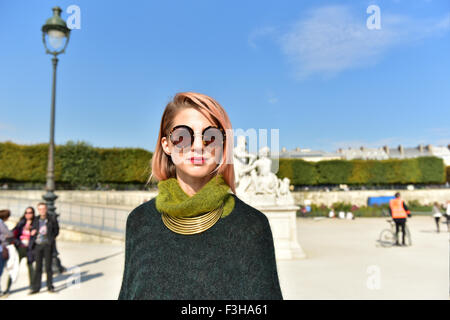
pixel 5 238
pixel 447 216
pixel 437 215
pixel 399 212
pixel 22 237
pixel 43 233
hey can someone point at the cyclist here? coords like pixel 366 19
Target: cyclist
pixel 399 212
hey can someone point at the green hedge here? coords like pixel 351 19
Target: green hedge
pixel 76 164
pixel 79 164
pixel 423 170
pixel 300 172
pixel 125 165
pixel 23 163
pixel 333 171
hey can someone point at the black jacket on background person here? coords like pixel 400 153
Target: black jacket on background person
pixel 52 230
pixel 18 229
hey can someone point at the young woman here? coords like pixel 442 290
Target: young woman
pixel 197 239
pixel 22 236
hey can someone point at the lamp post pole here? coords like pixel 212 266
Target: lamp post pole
pixel 50 195
pixel 56 30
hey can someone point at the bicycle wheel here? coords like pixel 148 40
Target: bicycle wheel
pixel 387 238
pixel 408 237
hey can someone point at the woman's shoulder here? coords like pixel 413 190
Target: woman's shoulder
pixel 249 217
pixel 142 212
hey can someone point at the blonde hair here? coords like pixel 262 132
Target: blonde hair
pixel 162 166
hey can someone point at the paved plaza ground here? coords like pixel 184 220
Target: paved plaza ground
pixel 343 261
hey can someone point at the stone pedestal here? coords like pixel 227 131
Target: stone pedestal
pixel 282 220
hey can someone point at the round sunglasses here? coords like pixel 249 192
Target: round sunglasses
pixel 182 136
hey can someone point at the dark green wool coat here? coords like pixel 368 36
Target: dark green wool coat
pixel 234 259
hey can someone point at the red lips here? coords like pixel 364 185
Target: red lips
pixel 197 160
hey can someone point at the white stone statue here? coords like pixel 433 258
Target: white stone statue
pixel 242 160
pixel 258 186
pixel 255 182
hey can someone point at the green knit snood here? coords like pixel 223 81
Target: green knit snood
pixel 172 199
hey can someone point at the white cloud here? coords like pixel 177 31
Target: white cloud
pixel 444 23
pixel 260 33
pixel 331 39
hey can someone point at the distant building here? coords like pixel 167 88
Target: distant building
pixel 363 153
pixel 308 154
pixel 405 153
pixel 396 153
pixel 382 153
pixel 442 152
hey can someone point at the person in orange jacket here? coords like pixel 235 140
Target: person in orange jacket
pixel 399 212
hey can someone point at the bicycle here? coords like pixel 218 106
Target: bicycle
pixel 387 237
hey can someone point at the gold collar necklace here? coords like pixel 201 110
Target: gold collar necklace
pixel 188 226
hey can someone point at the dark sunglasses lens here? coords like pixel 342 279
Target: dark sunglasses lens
pixel 213 137
pixel 181 137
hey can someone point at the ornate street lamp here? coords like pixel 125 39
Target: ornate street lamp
pixel 56 33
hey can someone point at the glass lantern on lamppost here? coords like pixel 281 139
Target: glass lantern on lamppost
pixel 56 35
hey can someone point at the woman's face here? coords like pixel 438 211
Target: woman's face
pixel 29 214
pixel 182 157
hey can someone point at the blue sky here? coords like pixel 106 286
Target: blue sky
pixel 311 69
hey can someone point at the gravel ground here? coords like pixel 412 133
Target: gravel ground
pixel 344 261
